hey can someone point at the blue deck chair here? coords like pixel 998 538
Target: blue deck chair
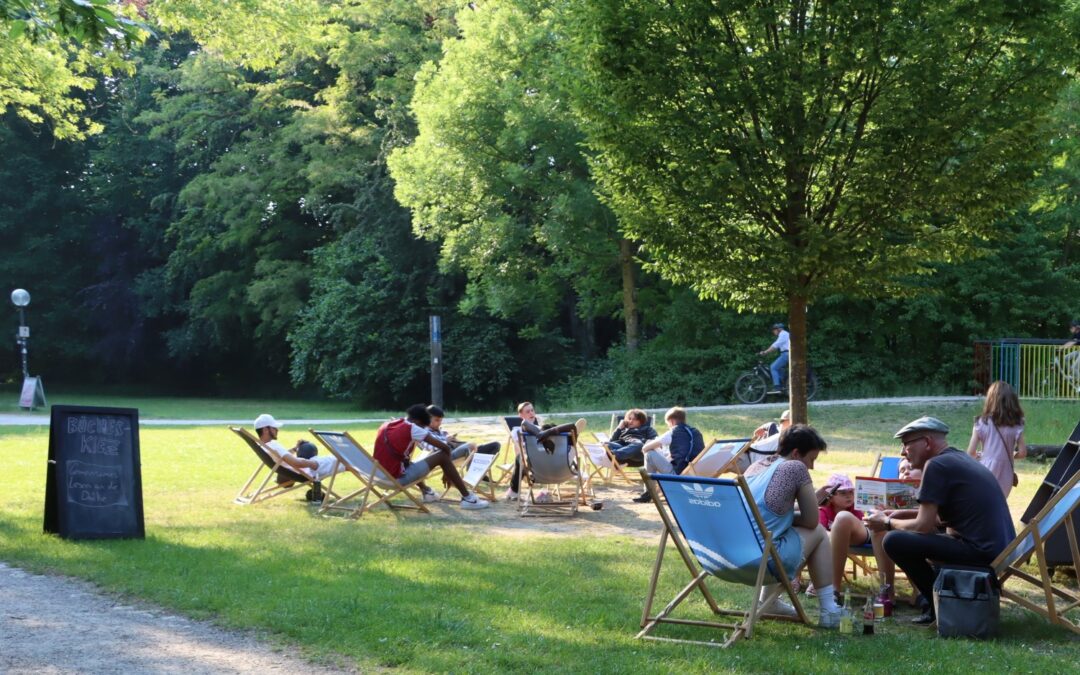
pixel 1057 604
pixel 718 531
pixel 552 469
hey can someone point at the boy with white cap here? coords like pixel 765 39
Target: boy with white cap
pixel 300 458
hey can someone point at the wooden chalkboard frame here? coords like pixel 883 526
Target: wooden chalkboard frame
pixel 58 516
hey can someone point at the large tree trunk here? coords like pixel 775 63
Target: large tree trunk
pixel 629 294
pixel 797 359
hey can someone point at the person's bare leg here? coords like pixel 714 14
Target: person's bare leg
pixel 886 567
pixel 847 531
pixel 442 460
pixel 817 554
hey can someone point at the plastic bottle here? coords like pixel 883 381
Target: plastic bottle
pixel 885 598
pixel 845 614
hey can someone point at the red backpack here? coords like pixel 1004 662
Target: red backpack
pixel 393 441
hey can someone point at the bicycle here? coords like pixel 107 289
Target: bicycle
pixel 752 385
pixel 1060 378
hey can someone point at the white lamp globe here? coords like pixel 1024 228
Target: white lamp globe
pixel 20 297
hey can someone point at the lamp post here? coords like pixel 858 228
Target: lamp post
pixel 20 298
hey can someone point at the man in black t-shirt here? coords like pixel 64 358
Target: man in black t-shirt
pixel 957 492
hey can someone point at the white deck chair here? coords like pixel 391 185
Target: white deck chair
pixel 375 480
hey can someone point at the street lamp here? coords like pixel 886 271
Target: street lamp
pixel 21 298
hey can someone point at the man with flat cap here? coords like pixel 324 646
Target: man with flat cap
pixel 957 492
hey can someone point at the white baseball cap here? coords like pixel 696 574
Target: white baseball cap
pixel 265 420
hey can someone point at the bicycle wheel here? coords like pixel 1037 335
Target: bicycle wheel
pixel 750 388
pixel 811 386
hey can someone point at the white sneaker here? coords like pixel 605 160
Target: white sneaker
pixel 580 426
pixel 472 503
pixel 782 608
pixel 827 619
pixel 511 496
pixel 430 496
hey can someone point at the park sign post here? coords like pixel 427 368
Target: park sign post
pixel 93 480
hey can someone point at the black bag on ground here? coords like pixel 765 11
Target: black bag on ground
pixel 967 602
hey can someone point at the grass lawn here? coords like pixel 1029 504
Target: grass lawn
pixel 450 593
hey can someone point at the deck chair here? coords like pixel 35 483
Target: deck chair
pixel 603 463
pixel 886 466
pixel 1057 604
pixel 478 465
pixel 375 481
pixel 271 462
pixel 509 452
pixel 717 531
pixel 720 456
pixel 553 469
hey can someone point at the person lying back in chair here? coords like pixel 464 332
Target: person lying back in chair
pixel 302 457
pixel 394 443
pixel 530 423
pixel 633 432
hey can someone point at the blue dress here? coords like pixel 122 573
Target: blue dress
pixel 786 540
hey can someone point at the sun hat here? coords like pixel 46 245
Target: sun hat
pixel 923 424
pixel 839 481
pixel 265 420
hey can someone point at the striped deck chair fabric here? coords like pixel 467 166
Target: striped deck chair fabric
pixel 719 533
pixel 1053 601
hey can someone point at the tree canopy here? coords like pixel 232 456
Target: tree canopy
pixel 772 154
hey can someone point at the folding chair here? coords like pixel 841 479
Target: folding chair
pixel 718 531
pixel 604 463
pixel 478 465
pixel 375 481
pixel 1031 541
pixel 721 456
pixel 511 449
pixel 886 466
pixel 269 460
pixel 617 417
pixel 554 469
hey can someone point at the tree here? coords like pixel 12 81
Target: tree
pixel 48 50
pixel 497 175
pixel 771 154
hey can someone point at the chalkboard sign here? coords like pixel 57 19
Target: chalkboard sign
pixel 93 482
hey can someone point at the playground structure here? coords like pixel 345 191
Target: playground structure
pixel 1036 369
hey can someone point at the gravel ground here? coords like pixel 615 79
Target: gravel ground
pixel 56 625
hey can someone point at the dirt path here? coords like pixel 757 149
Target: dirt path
pixel 60 625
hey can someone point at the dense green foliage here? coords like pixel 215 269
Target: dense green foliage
pixel 281 197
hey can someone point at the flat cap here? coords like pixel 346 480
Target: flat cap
pixel 923 424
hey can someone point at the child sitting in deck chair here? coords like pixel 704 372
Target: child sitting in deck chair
pixel 683 443
pixel 394 443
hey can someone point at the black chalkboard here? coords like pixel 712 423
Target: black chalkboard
pixel 93 481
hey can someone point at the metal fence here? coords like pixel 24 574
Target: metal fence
pixel 1035 368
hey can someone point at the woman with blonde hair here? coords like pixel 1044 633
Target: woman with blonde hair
pixel 1000 432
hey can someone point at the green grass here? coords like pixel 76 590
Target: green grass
pixel 444 593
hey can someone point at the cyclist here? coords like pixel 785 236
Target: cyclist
pixel 1071 359
pixel 782 344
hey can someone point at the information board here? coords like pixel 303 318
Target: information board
pixel 93 481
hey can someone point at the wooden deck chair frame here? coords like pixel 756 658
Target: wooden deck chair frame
pixel 1055 601
pixel 559 506
pixel 697 468
pixel 606 466
pixel 381 489
pixel 509 452
pixel 741 628
pixel 473 476
pixel 270 461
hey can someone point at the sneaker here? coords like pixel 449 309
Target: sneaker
pixel 430 496
pixel 775 391
pixel 779 607
pixel 811 592
pixel 924 619
pixel 472 503
pixel 511 496
pixel 827 619
pixel 580 426
pixel 643 498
